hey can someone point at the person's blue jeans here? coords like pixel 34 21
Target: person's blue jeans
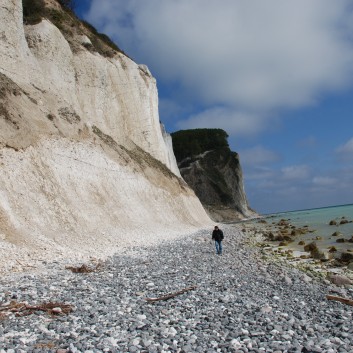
pixel 218 246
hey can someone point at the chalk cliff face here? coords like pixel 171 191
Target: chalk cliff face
pixel 85 165
pixel 213 171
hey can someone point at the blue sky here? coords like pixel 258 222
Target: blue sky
pixel 276 75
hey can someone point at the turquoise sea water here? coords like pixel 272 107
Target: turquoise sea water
pixel 318 219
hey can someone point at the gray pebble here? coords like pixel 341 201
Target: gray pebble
pixel 241 304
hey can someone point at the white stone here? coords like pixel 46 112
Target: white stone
pixel 57 310
pixel 136 341
pixel 146 343
pixel 306 278
pixel 73 349
pixel 244 332
pixel 288 280
pixel 141 317
pixel 85 40
pixel 235 344
pixel 173 331
pixel 336 340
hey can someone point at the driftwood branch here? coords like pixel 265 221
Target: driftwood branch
pixel 170 295
pixel 340 299
pixel 23 309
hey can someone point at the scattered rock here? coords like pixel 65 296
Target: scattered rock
pixel 237 306
pixel 321 255
pixel 311 247
pixel 306 278
pixel 340 240
pixel 288 280
pixel 346 257
pixel 56 310
pixel 266 309
pixel 340 280
pixel 333 223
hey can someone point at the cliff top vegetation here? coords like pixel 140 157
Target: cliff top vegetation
pixel 64 18
pixel 189 143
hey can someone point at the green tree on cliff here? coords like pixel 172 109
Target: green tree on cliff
pixel 189 143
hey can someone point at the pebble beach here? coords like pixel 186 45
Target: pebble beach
pixel 242 301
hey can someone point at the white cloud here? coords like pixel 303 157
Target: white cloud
pixel 346 150
pixel 258 155
pixel 324 181
pixel 295 172
pixel 273 191
pixel 254 55
pixel 265 174
pixel 234 122
pixel 308 142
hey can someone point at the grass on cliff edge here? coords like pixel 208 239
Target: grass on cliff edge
pixel 66 20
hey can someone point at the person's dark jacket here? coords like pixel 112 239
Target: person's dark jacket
pixel 217 235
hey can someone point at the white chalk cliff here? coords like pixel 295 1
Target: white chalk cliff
pixel 85 166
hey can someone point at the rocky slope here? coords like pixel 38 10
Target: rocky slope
pixel 85 166
pixel 213 171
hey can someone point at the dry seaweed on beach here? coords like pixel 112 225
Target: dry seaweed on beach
pixel 24 309
pixel 170 295
pixel 84 268
pixel 45 345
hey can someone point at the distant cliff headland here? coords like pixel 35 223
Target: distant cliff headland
pixel 213 171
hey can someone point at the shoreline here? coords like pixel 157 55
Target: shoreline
pixel 282 248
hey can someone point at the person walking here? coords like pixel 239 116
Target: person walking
pixel 217 236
